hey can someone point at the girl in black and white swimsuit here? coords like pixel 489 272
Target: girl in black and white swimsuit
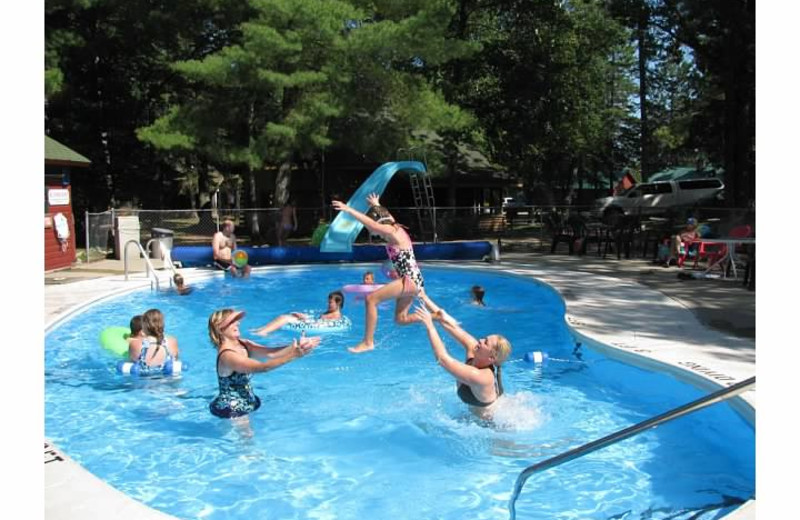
pixel 409 283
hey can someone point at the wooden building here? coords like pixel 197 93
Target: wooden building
pixel 59 221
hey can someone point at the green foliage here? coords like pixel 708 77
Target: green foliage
pixel 549 90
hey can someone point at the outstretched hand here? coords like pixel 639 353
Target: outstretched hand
pixel 338 205
pixel 373 199
pixel 422 314
pixel 305 345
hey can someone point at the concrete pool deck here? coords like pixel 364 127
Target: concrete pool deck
pixel 700 330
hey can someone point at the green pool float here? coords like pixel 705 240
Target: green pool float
pixel 115 340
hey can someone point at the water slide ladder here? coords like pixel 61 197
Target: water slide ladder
pixel 698 404
pixel 422 189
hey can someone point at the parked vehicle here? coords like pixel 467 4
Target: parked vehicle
pixel 653 198
pixel 511 202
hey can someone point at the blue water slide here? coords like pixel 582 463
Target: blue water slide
pixel 345 228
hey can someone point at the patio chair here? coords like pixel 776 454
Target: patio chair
pixel 561 229
pixel 713 251
pixel 622 236
pixel 653 232
pixel 589 232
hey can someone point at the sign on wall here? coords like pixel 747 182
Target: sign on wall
pixel 58 197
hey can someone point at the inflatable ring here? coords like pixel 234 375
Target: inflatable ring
pixel 240 258
pixel 361 288
pixel 169 368
pixel 320 326
pixel 115 340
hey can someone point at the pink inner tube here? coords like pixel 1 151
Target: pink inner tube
pixel 359 288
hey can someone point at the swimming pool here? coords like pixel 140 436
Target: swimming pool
pixel 383 435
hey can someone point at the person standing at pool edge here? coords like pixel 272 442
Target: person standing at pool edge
pixel 287 223
pixel 235 365
pixel 409 283
pixel 222 246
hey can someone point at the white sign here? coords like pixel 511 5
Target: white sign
pixel 58 197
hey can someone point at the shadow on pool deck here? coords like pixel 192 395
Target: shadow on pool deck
pixel 723 305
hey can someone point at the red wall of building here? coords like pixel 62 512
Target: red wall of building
pixel 54 257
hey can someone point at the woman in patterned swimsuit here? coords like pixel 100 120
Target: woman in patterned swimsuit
pixel 409 283
pixel 235 366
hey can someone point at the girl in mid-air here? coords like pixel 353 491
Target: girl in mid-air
pixel 409 283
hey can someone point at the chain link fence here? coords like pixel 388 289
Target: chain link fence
pixel 537 226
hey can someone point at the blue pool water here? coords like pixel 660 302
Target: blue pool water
pixel 383 434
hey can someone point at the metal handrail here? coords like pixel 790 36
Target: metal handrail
pixel 698 404
pixel 168 261
pixel 166 256
pixel 150 268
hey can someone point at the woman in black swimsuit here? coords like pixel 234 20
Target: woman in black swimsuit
pixel 235 363
pixel 480 381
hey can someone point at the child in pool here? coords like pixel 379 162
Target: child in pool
pixel 409 283
pixel 136 329
pixel 477 295
pixel 180 285
pixel 153 348
pixel 333 312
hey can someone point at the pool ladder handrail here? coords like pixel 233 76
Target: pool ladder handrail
pixel 166 256
pixel 150 270
pixel 698 404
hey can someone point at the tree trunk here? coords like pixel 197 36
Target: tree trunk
pixel 282 182
pixel 252 201
pixel 644 136
pixel 739 126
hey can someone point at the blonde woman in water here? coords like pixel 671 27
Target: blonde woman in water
pixel 479 378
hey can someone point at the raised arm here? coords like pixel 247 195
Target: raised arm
pixel 461 371
pixel 466 339
pixel 374 227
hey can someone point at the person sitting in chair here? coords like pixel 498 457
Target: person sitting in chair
pixel 679 247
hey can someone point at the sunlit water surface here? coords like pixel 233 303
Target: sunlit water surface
pixel 383 434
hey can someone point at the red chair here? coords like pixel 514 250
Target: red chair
pixel 714 251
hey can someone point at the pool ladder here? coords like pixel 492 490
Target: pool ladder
pixel 699 404
pixel 151 271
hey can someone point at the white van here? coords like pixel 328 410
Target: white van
pixel 652 198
